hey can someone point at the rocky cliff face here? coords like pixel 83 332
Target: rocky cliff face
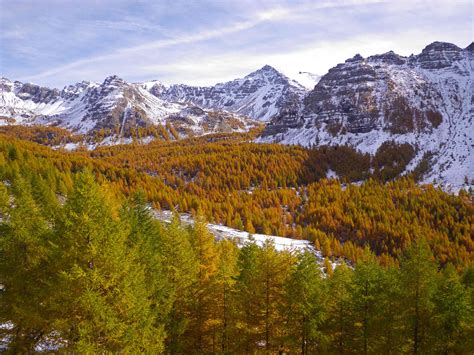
pixel 113 105
pixel 425 100
pixel 261 95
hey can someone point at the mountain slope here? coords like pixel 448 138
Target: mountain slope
pixel 114 105
pixel 261 95
pixel 425 100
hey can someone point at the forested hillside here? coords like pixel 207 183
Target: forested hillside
pixel 274 189
pixel 99 274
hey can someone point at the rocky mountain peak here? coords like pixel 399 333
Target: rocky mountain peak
pixel 72 91
pixel 260 95
pixel 388 58
pixel 267 69
pixel 268 74
pixel 6 85
pixel 438 55
pixel 423 100
pixel 114 80
pixel 440 47
pixel 470 48
pixel 36 93
pixel 155 87
pixel 354 59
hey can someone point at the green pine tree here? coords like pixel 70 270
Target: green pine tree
pixel 453 314
pixel 103 299
pixel 418 282
pixel 306 296
pixel 25 273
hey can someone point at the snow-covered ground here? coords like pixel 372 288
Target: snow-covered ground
pixel 223 232
pixel 242 237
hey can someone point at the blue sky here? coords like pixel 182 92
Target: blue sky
pixel 58 42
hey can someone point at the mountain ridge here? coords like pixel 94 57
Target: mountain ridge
pixel 424 100
pixel 117 105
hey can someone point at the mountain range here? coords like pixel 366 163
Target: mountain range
pixel 118 106
pixel 423 100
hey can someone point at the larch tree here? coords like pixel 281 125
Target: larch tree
pixel 181 269
pixel 25 273
pixel 273 269
pixel 204 290
pixel 247 299
pixel 146 236
pixel 102 300
pixel 453 317
pixel 418 280
pixel 306 296
pixel 366 297
pixel 391 325
pixel 339 325
pixel 224 282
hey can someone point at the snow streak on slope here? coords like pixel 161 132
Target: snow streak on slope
pixel 241 237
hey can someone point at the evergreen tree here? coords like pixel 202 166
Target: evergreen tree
pixel 25 274
pixel 306 297
pixel 103 299
pixel 418 282
pixel 453 315
pixel 339 326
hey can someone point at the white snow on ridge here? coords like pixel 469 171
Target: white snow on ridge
pixel 242 237
pixel 223 232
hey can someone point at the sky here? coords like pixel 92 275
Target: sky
pixel 202 42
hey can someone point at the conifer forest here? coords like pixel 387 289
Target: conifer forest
pixel 87 268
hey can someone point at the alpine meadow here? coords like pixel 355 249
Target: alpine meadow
pixel 251 177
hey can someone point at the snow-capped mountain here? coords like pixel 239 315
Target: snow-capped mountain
pixel 425 100
pixel 261 95
pixel 114 105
